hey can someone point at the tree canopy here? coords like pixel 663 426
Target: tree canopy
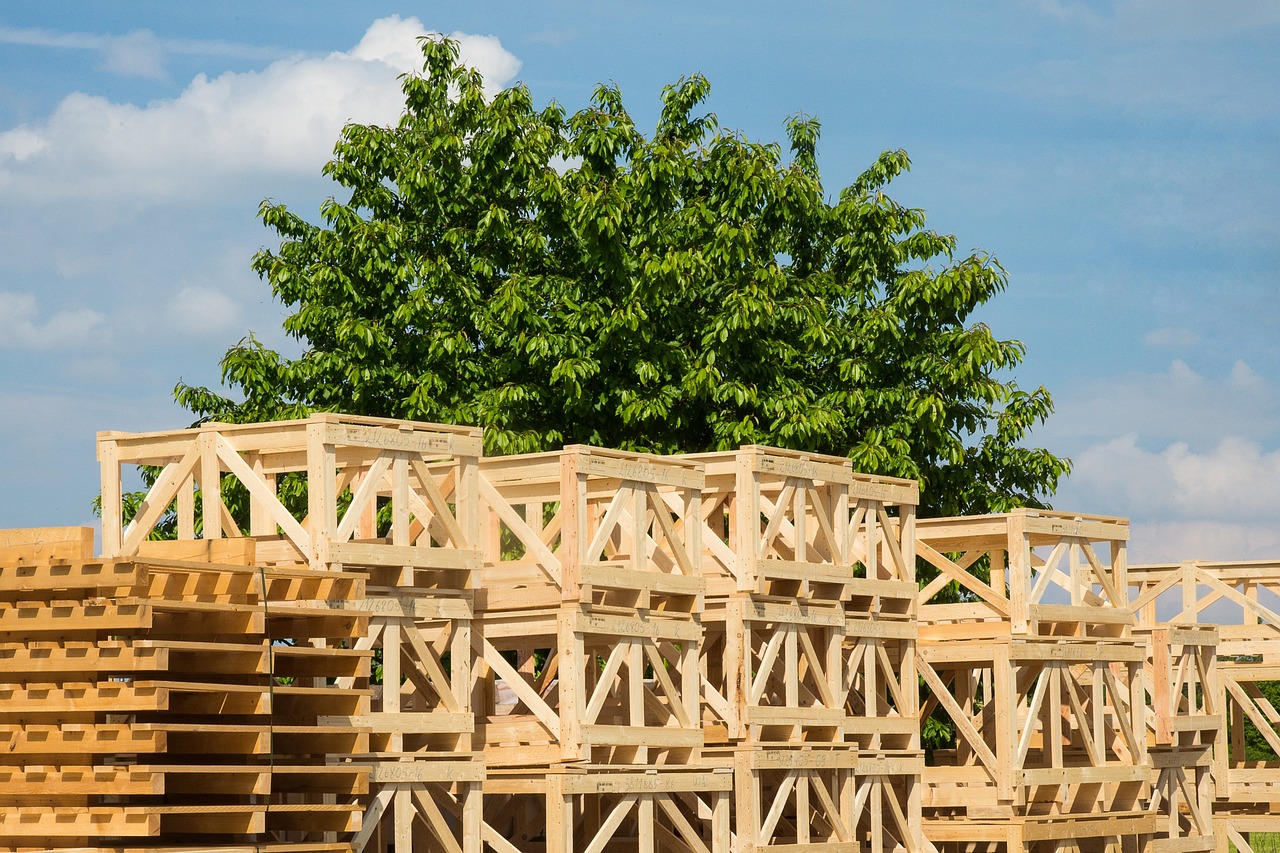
pixel 562 278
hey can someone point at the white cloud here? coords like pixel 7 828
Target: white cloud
pixel 1237 479
pixel 223 130
pixel 1193 460
pixel 142 44
pixel 1189 539
pixel 138 54
pixel 142 216
pixel 1193 19
pixel 21 329
pixel 1179 404
pixel 205 312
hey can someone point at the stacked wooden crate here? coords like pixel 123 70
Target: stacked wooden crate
pixel 809 652
pixel 1034 663
pixel 588 633
pixel 367 637
pixel 151 701
pixel 394 502
pixel 1239 602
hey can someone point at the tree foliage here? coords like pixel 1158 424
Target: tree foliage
pixel 563 278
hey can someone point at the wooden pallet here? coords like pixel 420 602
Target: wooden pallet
pixel 142 699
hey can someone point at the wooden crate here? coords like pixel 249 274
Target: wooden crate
pixel 1238 599
pixel 425 781
pixel 422 475
pixel 590 526
pixel 587 611
pixel 799 551
pixel 800 525
pixel 1038 670
pixel 1188 728
pixel 787 795
pixel 621 689
pixel 1042 727
pixel 571 808
pixel 1050 573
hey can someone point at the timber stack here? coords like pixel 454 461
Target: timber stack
pixel 391 503
pixel 588 637
pixel 1038 669
pixel 809 650
pixel 360 634
pixel 1228 688
pixel 173 696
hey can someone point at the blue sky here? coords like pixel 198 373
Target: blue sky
pixel 1120 159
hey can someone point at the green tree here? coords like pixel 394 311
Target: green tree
pixel 559 279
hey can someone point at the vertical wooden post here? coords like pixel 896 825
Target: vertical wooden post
pixel 721 829
pixel 559 814
pixel 403 818
pixel 573 530
pixel 1019 547
pixel 573 687
pixel 186 509
pixel 748 798
pixel 1189 596
pixel 1006 702
pixel 321 500
pixel 874 533
pixel 210 483
pixel 1162 700
pixel 112 526
pixel 746 519
pixel 260 523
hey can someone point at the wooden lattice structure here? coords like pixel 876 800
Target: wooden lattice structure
pixel 1036 667
pixel 1240 600
pixel 809 656
pixel 587 643
pixel 361 635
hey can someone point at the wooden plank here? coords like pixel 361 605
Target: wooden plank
pixel 665 780
pixel 46 543
pixel 404 438
pixel 620 577
pixel 78 822
pixel 665 737
pixel 637 467
pixel 405 722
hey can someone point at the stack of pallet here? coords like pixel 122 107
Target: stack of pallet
pixel 366 636
pixel 170 699
pixel 1035 664
pixel 1229 692
pixel 809 650
pixel 588 633
pixel 392 501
